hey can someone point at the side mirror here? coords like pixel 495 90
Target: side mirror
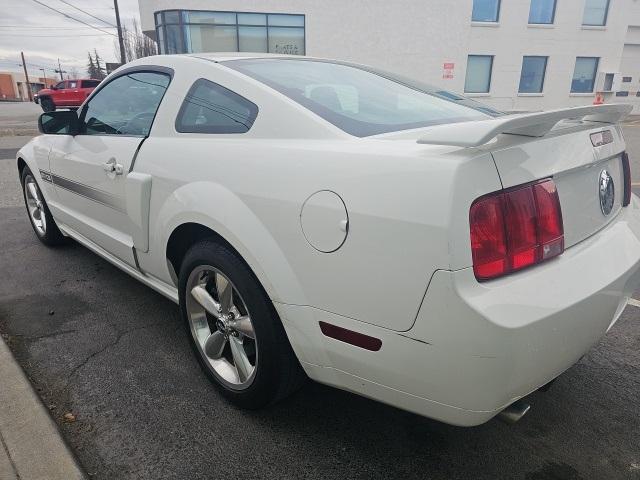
pixel 63 122
pixel 52 87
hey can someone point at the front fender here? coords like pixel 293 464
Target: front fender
pixel 35 155
pixel 219 209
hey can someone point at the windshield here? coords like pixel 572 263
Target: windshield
pixel 361 101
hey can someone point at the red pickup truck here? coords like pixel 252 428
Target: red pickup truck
pixel 66 94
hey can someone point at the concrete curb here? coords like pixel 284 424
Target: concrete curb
pixel 31 446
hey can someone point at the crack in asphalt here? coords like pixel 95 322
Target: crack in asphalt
pixel 44 335
pixel 119 337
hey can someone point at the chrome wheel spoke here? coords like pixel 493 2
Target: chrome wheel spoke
pixel 214 345
pixel 225 293
pixel 240 359
pixel 206 301
pixel 33 191
pixel 244 326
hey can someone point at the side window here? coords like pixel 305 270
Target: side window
pixel 211 108
pixel 90 83
pixel 72 84
pixel 126 105
pixel 60 85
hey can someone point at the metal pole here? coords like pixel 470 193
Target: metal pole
pixel 123 58
pixel 26 75
pixel 60 70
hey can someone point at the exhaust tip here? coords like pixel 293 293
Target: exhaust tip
pixel 514 412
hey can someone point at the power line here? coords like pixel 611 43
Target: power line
pixel 57 36
pixel 73 18
pixel 87 13
pixel 40 27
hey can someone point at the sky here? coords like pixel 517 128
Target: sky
pixel 46 36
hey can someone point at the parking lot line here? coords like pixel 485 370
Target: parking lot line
pixel 634 302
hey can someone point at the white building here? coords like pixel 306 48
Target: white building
pixel 514 54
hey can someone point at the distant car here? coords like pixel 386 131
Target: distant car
pixel 390 238
pixel 65 94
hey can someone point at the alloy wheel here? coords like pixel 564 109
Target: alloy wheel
pixel 35 205
pixel 221 327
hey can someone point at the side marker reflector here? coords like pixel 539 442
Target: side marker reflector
pixel 349 336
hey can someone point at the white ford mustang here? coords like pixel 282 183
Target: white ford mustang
pixel 323 218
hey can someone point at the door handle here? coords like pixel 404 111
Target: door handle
pixel 112 167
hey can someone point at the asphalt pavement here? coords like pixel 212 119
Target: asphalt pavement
pixel 99 345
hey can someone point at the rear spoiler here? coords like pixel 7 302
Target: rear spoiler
pixel 475 134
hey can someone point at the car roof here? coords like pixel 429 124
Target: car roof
pixel 227 56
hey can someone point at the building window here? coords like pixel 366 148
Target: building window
pixel 626 79
pixel 532 75
pixel 622 94
pixel 485 10
pixel 186 31
pixel 595 12
pixel 584 75
pixel 542 11
pixel 478 79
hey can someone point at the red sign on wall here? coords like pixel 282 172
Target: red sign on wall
pixel 447 70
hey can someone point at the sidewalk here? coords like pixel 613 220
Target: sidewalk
pixel 31 447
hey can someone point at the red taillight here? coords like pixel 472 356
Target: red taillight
pixel 515 228
pixel 626 169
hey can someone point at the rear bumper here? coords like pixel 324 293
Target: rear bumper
pixel 477 347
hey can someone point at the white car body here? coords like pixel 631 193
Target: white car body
pixel 369 234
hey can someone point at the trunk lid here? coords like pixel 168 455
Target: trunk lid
pixel 568 155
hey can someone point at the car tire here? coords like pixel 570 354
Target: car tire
pixel 40 217
pixel 47 105
pixel 271 369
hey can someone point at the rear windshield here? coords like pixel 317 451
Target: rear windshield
pixel 90 83
pixel 358 100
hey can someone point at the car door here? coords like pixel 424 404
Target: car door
pixel 59 94
pixel 89 169
pixel 87 86
pixel 74 97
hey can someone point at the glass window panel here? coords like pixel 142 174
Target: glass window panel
pixel 211 108
pixel 172 16
pixel 485 10
pixel 126 105
pixel 253 39
pixel 252 19
pixel 532 75
pixel 595 12
pixel 478 78
pixel 174 39
pixel 286 20
pixel 608 82
pixel 542 11
pixel 158 18
pixel 221 18
pixel 286 40
pixel 584 75
pixel 209 38
pixel 359 102
pixel 161 47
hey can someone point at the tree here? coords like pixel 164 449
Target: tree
pixel 91 67
pixel 100 71
pixel 136 44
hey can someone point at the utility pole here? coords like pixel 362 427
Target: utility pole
pixel 60 71
pixel 123 58
pixel 26 75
